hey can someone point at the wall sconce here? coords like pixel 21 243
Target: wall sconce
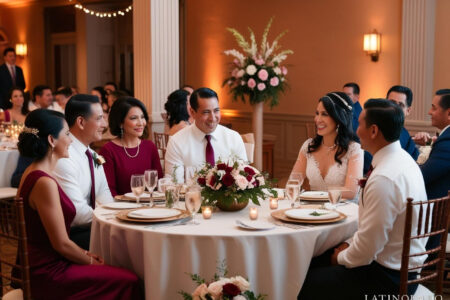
pixel 21 49
pixel 372 44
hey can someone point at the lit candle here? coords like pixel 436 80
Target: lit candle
pixel 206 212
pixel 253 213
pixel 273 203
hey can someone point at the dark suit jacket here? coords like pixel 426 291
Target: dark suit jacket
pixel 6 84
pixel 436 170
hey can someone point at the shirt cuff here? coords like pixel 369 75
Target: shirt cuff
pixel 340 257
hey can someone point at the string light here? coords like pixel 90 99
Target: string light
pixel 103 14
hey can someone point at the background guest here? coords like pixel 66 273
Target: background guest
pixel 57 265
pixel 332 157
pixel 81 176
pixel 18 111
pixel 129 153
pixel 62 96
pixel 177 113
pixel 352 91
pixel 10 76
pixel 101 94
pixel 109 87
pixel 112 96
pixel 42 98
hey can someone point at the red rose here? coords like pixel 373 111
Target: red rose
pixel 227 179
pixel 229 169
pixel 201 180
pixel 221 167
pixel 231 290
pixel 249 171
pixel 362 182
pixel 249 178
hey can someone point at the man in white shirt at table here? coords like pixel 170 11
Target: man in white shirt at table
pixel 203 141
pixel 367 267
pixel 84 115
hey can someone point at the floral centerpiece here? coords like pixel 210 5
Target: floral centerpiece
pixel 230 185
pixel 257 73
pixel 221 288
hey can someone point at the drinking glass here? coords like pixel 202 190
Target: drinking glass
pixel 193 201
pixel 162 183
pixel 137 186
pixel 151 179
pixel 172 194
pixel 292 191
pixel 334 195
pixel 189 175
pixel 299 177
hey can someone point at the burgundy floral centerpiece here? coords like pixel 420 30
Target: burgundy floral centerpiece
pixel 230 185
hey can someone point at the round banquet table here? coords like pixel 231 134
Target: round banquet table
pixel 8 163
pixel 275 261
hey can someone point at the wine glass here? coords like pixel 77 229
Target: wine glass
pixel 151 179
pixel 292 191
pixel 137 186
pixel 193 201
pixel 334 195
pixel 189 175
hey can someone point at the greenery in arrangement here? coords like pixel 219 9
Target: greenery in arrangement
pixel 231 181
pixel 221 288
pixel 257 73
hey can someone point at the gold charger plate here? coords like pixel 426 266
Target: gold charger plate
pixel 279 215
pixel 123 216
pixel 145 199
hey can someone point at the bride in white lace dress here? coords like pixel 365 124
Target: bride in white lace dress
pixel 332 157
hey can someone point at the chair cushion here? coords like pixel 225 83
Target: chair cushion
pixel 423 293
pixel 7 192
pixel 14 295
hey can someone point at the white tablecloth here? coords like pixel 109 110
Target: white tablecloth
pixel 274 261
pixel 8 163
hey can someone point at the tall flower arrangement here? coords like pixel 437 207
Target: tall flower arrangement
pixel 258 72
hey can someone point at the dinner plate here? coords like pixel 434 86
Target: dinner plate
pixel 154 213
pixel 123 216
pixel 314 196
pixel 254 225
pixel 311 214
pixel 132 196
pixel 121 205
pixel 279 215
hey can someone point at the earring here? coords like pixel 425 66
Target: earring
pixel 121 131
pixel 10 100
pixel 337 128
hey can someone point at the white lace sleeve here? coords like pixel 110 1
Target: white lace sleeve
pixel 304 148
pixel 300 163
pixel 354 169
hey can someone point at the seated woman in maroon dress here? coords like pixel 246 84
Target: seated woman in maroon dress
pixel 129 153
pixel 59 269
pixel 18 111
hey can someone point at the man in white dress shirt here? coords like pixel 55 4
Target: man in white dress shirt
pixel 84 115
pixel 367 267
pixel 203 141
pixel 42 98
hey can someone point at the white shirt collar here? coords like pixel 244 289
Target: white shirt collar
pixel 200 135
pixel 77 145
pixel 386 150
pixel 445 128
pixel 10 66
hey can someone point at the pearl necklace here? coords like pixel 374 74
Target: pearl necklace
pixel 329 148
pixel 131 156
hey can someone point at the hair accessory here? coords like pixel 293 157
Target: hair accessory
pixel 342 100
pixel 33 131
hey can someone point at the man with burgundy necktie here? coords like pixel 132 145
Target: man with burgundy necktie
pixel 81 176
pixel 203 141
pixel 368 265
pixel 10 76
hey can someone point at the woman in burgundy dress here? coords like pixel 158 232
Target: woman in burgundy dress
pixel 59 269
pixel 129 153
pixel 18 111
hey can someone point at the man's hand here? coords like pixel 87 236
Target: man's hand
pixel 422 138
pixel 339 248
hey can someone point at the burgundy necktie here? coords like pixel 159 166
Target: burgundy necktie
pixel 209 151
pixel 91 167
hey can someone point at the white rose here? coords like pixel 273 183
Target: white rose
pixel 240 73
pixel 277 70
pixel 261 180
pixel 251 70
pixel 241 182
pixel 215 288
pixel 220 173
pixel 241 282
pixel 239 297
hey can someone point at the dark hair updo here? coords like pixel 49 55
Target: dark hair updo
pixel 176 107
pixel 39 124
pixel 339 107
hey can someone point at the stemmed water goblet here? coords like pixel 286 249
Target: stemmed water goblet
pixel 151 179
pixel 193 201
pixel 292 191
pixel 137 186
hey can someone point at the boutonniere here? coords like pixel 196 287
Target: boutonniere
pixel 362 182
pixel 98 159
